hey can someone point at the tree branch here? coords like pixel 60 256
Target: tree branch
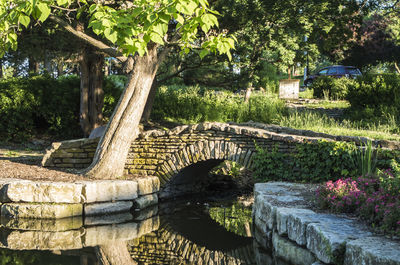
pixel 92 41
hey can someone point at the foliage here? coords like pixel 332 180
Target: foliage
pixel 310 162
pixel 376 96
pixel 376 42
pixel 374 198
pixel 43 104
pixel 333 88
pixel 235 219
pixel 131 28
pixel 366 159
pixel 192 105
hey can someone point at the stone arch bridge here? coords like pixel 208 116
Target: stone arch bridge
pixel 168 153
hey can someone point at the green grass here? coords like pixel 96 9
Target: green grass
pixel 329 104
pixel 321 123
pixel 195 104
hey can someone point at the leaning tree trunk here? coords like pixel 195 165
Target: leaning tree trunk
pixel 150 101
pixel 113 148
pixel 92 95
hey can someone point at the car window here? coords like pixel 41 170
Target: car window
pixel 332 71
pixel 341 71
pixel 323 72
pixel 353 71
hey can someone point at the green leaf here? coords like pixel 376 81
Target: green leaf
pixel 161 29
pixel 62 2
pixel 24 20
pixel 111 35
pixel 156 38
pixel 44 11
pixel 204 53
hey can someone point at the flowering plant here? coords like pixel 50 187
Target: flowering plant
pixel 375 199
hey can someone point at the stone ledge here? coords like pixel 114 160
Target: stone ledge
pixel 330 238
pixel 54 200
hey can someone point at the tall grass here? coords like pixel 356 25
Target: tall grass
pixel 192 105
pixel 365 159
pixel 318 122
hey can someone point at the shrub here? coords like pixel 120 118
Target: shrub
pixel 376 95
pixel 42 104
pixel 333 88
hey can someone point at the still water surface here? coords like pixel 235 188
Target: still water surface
pixel 172 233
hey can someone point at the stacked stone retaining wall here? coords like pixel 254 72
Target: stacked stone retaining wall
pixel 284 222
pixel 54 200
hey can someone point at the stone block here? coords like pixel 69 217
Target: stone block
pixel 148 185
pixel 145 201
pixel 372 250
pixel 109 190
pixel 108 219
pixel 107 207
pixel 37 211
pixel 290 252
pixel 327 239
pixel 297 223
pixel 49 225
pixel 41 192
pixel 39 240
pixel 100 235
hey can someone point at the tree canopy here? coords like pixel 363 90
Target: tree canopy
pixel 126 27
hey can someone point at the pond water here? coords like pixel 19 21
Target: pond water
pixel 170 233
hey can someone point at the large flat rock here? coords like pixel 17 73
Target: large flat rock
pixel 109 190
pixel 41 211
pixel 328 238
pixel 104 208
pixel 148 185
pixel 372 250
pixel 145 201
pixel 40 191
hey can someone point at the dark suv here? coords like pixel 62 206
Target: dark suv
pixel 336 71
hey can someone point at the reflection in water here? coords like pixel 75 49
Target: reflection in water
pixel 171 234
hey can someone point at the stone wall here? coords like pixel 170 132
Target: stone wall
pixel 284 221
pixel 54 200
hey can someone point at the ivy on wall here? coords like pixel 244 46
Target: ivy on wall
pixel 314 162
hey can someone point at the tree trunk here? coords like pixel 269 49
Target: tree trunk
pixel 150 101
pixel 47 63
pixel 1 69
pixel 113 148
pixel 33 66
pixel 115 254
pixel 397 68
pixel 92 95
